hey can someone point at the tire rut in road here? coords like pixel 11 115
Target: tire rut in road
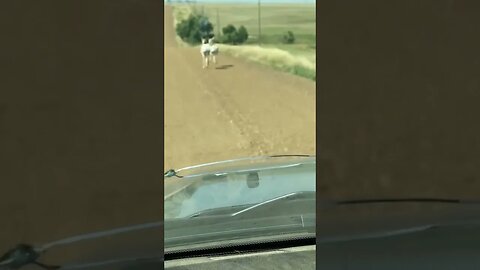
pixel 254 141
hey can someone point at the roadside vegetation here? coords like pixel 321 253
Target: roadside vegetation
pixel 287 41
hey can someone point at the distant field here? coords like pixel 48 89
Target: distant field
pixel 181 12
pixel 276 20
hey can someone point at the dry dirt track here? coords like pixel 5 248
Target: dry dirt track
pixel 236 111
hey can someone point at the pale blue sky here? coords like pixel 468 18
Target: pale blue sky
pixel 254 1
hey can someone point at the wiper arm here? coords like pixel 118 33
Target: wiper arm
pixel 217 211
pixel 291 155
pixel 171 173
pixel 406 200
pixel 227 211
pixel 275 200
pixel 247 208
pixel 174 173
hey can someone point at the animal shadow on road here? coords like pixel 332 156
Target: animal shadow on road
pixel 224 67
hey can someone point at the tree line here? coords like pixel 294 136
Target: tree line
pixel 196 27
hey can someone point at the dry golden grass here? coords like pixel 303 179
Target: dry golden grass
pixel 279 58
pixel 274 57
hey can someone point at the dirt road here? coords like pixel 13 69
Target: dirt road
pixel 235 109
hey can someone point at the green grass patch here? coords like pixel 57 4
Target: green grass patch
pixel 276 19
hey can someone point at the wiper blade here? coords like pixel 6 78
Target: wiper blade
pixel 174 173
pixel 406 200
pixel 230 211
pixel 292 155
pixel 307 194
pixel 300 195
pixel 218 211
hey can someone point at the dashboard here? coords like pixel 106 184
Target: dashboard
pixel 285 258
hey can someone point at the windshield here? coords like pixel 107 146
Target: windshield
pixel 269 198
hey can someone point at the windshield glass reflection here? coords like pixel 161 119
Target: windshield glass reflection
pixel 233 189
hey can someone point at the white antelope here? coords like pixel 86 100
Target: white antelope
pixel 213 50
pixel 205 51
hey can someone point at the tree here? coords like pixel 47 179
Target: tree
pixel 242 34
pixel 229 29
pixel 205 26
pixel 289 38
pixel 194 28
pixel 233 36
pixel 229 34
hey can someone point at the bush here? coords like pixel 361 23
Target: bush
pixel 229 29
pixel 233 36
pixel 242 34
pixel 289 38
pixel 206 27
pixel 194 28
pixel 229 34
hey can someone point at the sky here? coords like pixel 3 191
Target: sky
pixel 254 1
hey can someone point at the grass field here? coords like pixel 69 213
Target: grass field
pixel 298 58
pixel 275 20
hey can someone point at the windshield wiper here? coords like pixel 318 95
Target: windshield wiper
pixel 218 211
pixel 231 211
pixel 171 173
pixel 227 211
pixel 299 195
pixel 292 155
pixel 174 173
pixel 406 200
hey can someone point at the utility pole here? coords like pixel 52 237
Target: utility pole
pixel 194 4
pixel 259 24
pixel 218 25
